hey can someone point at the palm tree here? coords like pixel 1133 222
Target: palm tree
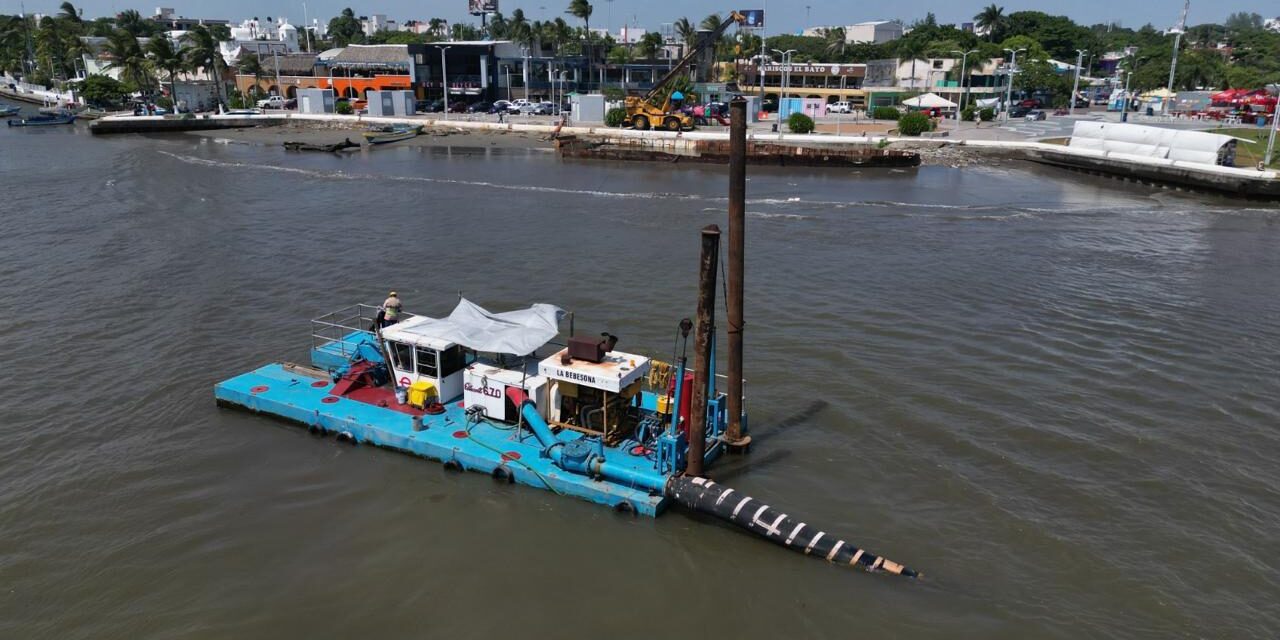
pixel 251 65
pixel 993 19
pixel 128 57
pixel 168 58
pixel 649 46
pixel 913 47
pixel 130 20
pixel 560 33
pixel 834 40
pixel 711 22
pixel 202 53
pixel 68 12
pixel 581 9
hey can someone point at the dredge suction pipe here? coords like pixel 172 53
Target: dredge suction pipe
pixel 705 496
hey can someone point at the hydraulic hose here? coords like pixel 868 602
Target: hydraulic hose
pixel 706 496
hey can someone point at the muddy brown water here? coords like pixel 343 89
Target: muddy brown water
pixel 1054 395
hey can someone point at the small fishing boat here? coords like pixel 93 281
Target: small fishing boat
pixel 330 148
pixel 44 121
pixel 391 133
pixel 6 110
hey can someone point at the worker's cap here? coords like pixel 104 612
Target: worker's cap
pixel 392 294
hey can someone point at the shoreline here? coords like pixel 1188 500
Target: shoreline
pixel 442 134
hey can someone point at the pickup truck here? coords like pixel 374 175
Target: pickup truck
pixel 273 102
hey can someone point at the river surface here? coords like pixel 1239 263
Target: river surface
pixel 1054 395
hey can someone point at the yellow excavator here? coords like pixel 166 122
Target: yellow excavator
pixel 644 112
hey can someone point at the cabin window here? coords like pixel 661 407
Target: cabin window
pixel 401 355
pixel 452 360
pixel 427 363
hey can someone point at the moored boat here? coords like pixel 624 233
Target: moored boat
pixel 44 121
pixel 6 110
pixel 392 133
pixel 331 148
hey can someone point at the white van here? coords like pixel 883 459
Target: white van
pixel 840 107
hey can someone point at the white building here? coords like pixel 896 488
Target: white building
pixel 1272 24
pixel 260 36
pixel 874 32
pixel 377 22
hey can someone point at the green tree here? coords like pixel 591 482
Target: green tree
pixel 912 47
pixel 835 41
pixel 581 9
pixel 649 46
pixel 129 59
pixel 131 21
pixel 346 29
pixel 250 64
pixel 993 20
pixel 101 91
pixel 203 53
pixel 167 58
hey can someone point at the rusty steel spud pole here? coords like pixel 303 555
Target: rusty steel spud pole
pixel 708 267
pixel 733 436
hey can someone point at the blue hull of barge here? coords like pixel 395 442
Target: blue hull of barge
pixel 481 446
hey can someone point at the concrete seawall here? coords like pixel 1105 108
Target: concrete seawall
pixel 164 124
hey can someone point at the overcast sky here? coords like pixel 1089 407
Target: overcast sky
pixel 783 16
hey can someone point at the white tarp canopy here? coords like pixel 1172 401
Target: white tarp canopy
pixel 518 332
pixel 1153 142
pixel 987 102
pixel 929 101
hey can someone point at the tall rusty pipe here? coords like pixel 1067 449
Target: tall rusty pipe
pixel 733 436
pixel 702 365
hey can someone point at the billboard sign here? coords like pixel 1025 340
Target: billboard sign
pixel 481 7
pixel 752 18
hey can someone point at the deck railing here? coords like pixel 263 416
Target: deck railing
pixel 336 327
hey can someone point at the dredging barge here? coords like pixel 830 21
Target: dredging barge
pixel 497 393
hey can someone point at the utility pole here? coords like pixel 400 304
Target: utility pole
pixel 1177 42
pixel 1075 88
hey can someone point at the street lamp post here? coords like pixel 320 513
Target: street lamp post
pixel 786 75
pixel 1075 88
pixel 964 67
pixel 1008 100
pixel 444 78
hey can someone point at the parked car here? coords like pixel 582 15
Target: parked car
pixel 1030 103
pixel 527 109
pixel 1019 111
pixel 546 109
pixel 518 104
pixel 1082 102
pixel 500 106
pixel 480 107
pixel 1034 115
pixel 840 107
pixel 272 102
pixel 458 107
pixel 291 103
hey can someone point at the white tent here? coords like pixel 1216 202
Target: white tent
pixel 929 101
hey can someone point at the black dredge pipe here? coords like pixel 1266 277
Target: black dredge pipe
pixel 705 496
